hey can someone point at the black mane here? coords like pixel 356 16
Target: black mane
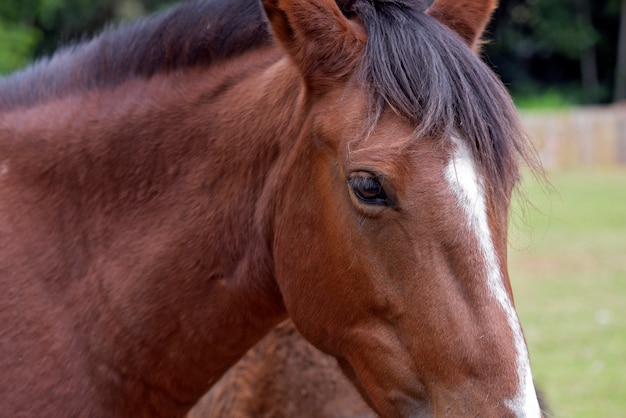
pixel 194 33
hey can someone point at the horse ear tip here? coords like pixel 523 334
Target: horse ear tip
pixel 468 20
pixel 320 39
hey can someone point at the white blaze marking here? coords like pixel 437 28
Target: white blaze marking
pixel 462 176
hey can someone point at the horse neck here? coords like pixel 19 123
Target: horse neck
pixel 160 194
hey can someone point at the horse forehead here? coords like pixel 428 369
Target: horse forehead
pixel 393 140
pixel 341 108
pixel 385 142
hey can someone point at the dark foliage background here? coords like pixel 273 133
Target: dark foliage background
pixel 549 52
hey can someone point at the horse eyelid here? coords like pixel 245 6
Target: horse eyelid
pixel 357 179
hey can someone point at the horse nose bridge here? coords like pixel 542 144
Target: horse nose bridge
pixel 481 375
pixel 476 358
pixel 473 400
pixel 480 349
pixel 467 341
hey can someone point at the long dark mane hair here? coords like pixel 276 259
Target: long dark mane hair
pixel 425 74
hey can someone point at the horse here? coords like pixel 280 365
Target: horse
pixel 283 376
pixel 173 189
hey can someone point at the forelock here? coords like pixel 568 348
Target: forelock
pixel 425 73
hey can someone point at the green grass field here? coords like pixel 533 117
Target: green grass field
pixel 568 269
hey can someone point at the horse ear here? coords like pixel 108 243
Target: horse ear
pixel 322 42
pixel 468 18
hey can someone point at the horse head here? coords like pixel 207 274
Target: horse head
pixel 390 227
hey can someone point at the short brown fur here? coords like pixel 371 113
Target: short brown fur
pixel 160 212
pixel 283 376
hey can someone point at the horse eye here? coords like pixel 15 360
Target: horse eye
pixel 368 189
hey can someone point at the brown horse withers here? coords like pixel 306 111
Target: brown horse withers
pixel 172 190
pixel 283 376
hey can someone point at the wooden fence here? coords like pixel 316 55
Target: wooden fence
pixel 591 136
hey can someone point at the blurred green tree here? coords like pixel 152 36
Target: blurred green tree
pixel 620 71
pixel 17 44
pixel 33 28
pixel 567 43
pixel 18 37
